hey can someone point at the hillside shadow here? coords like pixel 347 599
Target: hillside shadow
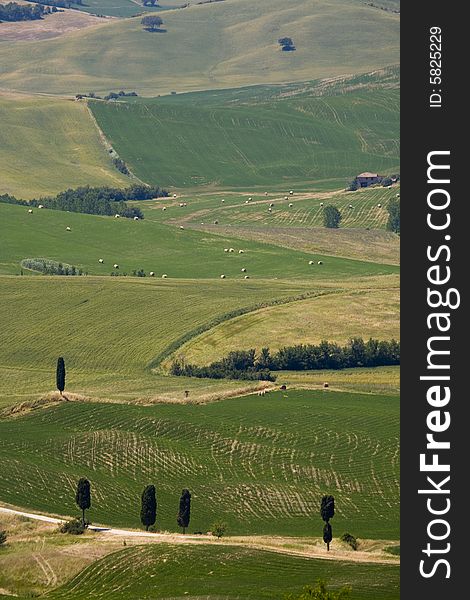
pixel 155 30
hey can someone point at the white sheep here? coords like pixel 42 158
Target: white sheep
pixel 243 270
pixel 222 277
pixel 116 266
pixel 68 229
pixel 30 211
pixel 320 262
pixel 101 261
pixel 152 274
pixel 164 276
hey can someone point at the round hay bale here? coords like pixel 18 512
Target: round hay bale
pixel 231 250
pixel 247 277
pixel 181 227
pixel 152 274
pixel 310 262
pixel 246 202
pixel 290 205
pixel 164 208
pixel 223 199
pixel 181 204
pixel 271 204
pixel 325 385
pixel 68 229
pixel 397 195
pixel 291 192
pixel 350 206
pixel 30 211
pixel 241 251
pixel 216 222
pixel 321 203
pixel 164 276
pixel 270 209
pixel 250 199
pixel 222 277
pixel 101 261
pixel 174 196
pixel 116 266
pixel 225 249
pixel 286 197
pixel 320 262
pixel 244 270
pixel 136 218
pixel 41 206
pixel 265 193
pixel 117 216
pixel 379 206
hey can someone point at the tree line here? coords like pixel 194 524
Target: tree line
pixel 21 12
pixel 95 200
pixel 247 365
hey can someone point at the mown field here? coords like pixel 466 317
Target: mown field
pixel 259 463
pixel 334 317
pixel 221 574
pixel 216 45
pixel 47 145
pixel 230 141
pixel 163 249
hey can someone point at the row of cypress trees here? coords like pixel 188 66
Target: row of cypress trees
pixel 148 508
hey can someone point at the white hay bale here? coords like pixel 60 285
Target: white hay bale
pixel 270 209
pixel 101 261
pixel 310 262
pixel 225 249
pixel 379 206
pixel 222 277
pixel 247 277
pixel 250 199
pixel 116 266
pixel 164 208
pixel 41 206
pixel 241 251
pixel 68 229
pixel 185 204
pixel 271 204
pixel 350 206
pixel 181 227
pixel 321 203
pixel 30 211
pixel 231 249
pixel 181 204
pixel 286 197
pixel 246 202
pixel 290 205
pixel 320 262
pixel 223 199
pixel 152 274
pixel 117 216
pixel 164 276
pixel 243 270
pixel 174 195
pixel 397 195
pixel 216 222
pixel 291 192
pixel 265 193
pixel 136 218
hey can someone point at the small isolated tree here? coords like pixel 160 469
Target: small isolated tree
pixel 321 592
pixel 331 217
pixel 60 375
pixel 151 23
pixel 327 512
pixel 148 510
pixel 83 497
pixel 3 537
pixel 393 223
pixel 218 529
pixel 184 513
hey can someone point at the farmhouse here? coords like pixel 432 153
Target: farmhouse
pixel 366 179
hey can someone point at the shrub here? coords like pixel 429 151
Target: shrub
pixel 349 539
pixel 218 529
pixel 73 527
pixel 3 537
pixel 331 217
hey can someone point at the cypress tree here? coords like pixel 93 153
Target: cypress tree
pixel 184 513
pixel 60 375
pixel 83 496
pixel 327 511
pixel 148 510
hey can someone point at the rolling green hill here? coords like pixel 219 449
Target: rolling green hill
pixel 247 138
pixel 226 573
pixel 216 45
pixel 152 246
pixel 259 463
pixel 49 144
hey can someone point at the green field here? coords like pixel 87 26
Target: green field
pixel 224 573
pixel 47 145
pixel 259 463
pixel 223 140
pixel 217 45
pixel 156 247
pixel 125 8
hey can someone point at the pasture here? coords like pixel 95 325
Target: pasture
pixel 259 463
pixel 216 45
pixel 224 141
pixel 224 573
pixel 49 144
pixel 152 246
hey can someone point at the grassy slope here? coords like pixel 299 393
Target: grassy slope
pixel 337 317
pixel 270 457
pixel 154 247
pixel 223 44
pixel 211 139
pixel 49 144
pixel 221 574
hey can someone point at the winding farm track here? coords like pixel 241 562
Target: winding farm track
pixel 292 546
